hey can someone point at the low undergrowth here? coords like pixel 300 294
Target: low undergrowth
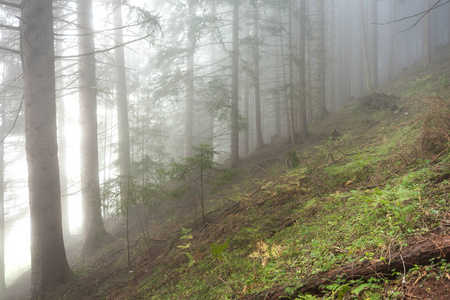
pixel 379 187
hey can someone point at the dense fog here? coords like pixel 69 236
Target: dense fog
pixel 297 62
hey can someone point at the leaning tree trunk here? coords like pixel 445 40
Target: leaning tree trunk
pixel 48 258
pixel 93 227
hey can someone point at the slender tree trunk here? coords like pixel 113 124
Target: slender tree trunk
pixel 2 203
pixel 259 135
pixel 246 105
pixel 426 44
pixel 93 227
pixel 284 82
pixel 331 55
pixel 291 79
pixel 277 108
pixel 348 53
pixel 303 127
pixel 210 132
pixel 366 64
pixel 62 141
pixel 393 38
pixel 321 61
pixel 245 136
pixel 122 110
pixel 374 42
pixel 49 266
pixel 202 196
pixel 309 68
pixel 234 159
pixel 189 135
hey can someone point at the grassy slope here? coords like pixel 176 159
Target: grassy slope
pixel 383 185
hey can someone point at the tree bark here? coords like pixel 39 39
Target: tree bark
pixel 49 265
pixel 93 227
pixel 234 159
pixel 122 110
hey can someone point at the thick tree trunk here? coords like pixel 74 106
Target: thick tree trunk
pixel 419 254
pixel 259 135
pixel 122 110
pixel 234 159
pixel 48 258
pixel 93 227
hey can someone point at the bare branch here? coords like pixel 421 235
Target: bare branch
pixel 421 14
pixel 9 50
pixel 14 123
pixel 9 27
pixel 425 13
pixel 11 4
pixel 107 49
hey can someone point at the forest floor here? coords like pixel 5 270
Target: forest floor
pixel 364 214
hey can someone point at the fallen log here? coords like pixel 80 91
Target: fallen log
pixel 418 254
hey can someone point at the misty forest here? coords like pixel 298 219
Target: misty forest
pixel 234 149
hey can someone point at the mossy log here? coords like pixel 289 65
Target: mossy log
pixel 418 254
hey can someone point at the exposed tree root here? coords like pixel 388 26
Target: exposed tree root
pixel 418 254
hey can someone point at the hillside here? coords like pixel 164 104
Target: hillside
pixel 362 198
